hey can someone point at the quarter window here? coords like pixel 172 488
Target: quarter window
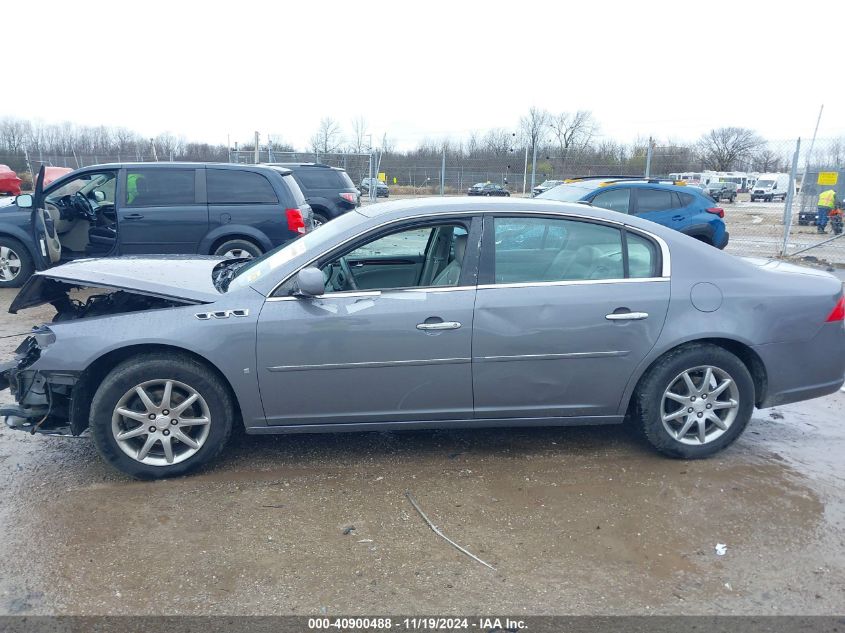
pixel 230 186
pixel 160 187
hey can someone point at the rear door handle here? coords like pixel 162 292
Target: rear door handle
pixel 133 216
pixel 441 325
pixel 677 218
pixel 626 316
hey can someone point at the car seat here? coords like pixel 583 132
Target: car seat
pixel 450 275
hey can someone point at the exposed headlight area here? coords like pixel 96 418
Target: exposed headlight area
pixel 43 398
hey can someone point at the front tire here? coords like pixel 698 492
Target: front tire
pixel 161 415
pixel 694 401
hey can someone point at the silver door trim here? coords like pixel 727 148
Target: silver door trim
pixel 374 364
pixel 345 294
pixel 498 359
pixel 573 282
pixel 464 215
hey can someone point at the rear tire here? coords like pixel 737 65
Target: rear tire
pixel 694 407
pixel 151 372
pixel 234 249
pixel 319 219
pixel 16 264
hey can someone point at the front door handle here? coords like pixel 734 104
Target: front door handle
pixel 626 316
pixel 133 216
pixel 677 218
pixel 440 325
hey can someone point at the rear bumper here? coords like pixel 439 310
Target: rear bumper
pixel 802 370
pixel 724 241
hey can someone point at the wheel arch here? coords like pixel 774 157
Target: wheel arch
pixel 743 351
pixel 93 375
pixel 20 235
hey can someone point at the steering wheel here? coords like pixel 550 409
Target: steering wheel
pixel 347 272
pixel 85 206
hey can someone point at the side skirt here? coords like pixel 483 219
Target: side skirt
pixel 358 427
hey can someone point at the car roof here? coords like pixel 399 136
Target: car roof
pixel 294 166
pixel 181 165
pixel 604 183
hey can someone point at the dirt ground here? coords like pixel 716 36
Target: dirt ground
pixel 575 521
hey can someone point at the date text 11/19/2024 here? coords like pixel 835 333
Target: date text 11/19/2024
pixel 417 623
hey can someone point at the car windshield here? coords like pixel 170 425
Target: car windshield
pixel 550 183
pixel 478 185
pixel 271 261
pixel 765 183
pixel 566 193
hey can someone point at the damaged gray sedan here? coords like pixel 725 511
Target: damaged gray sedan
pixel 438 313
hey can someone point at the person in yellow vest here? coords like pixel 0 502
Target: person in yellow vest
pixel 826 204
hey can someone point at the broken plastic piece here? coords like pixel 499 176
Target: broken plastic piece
pixel 721 549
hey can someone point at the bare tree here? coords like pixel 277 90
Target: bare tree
pixel 767 160
pixel 725 148
pixel 497 142
pixel 533 127
pixel 573 131
pixel 327 138
pixel 359 135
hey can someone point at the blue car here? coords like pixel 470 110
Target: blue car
pixel 685 209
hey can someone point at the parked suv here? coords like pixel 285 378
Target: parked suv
pixel 235 211
pixel 682 208
pixel 722 190
pixel 328 190
pixel 545 186
pixel 381 189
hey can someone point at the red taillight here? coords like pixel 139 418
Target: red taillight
pixel 717 211
pixel 838 312
pixel 349 197
pixel 295 221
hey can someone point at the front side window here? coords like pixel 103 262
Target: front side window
pixel 430 256
pixel 88 185
pixel 160 187
pixel 528 250
pixel 614 199
pixel 230 186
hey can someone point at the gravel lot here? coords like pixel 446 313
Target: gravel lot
pixel 575 520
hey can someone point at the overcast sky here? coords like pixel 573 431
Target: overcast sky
pixel 210 70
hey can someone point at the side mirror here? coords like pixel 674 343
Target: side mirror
pixel 309 282
pixel 24 201
pixel 99 196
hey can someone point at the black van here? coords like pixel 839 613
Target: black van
pixel 237 211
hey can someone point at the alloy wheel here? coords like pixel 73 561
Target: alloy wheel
pixel 237 253
pixel 161 422
pixel 10 264
pixel 699 405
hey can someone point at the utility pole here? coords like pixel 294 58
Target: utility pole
pixel 443 171
pixel 256 148
pixel 790 196
pixel 810 150
pixel 648 158
pixel 153 144
pixel 525 171
pixel 533 166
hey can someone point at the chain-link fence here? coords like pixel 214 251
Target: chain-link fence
pixel 762 217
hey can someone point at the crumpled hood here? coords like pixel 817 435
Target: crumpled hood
pixel 185 277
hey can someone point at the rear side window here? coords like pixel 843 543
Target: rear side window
pixel 160 187
pixel 321 178
pixel 686 199
pixel 230 186
pixel 655 200
pixel 535 250
pixel 615 199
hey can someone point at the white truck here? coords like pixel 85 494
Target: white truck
pixel 770 187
